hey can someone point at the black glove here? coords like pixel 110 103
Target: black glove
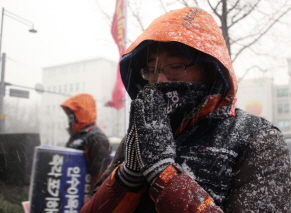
pixel 156 147
pixel 129 174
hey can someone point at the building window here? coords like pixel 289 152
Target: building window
pixel 71 87
pixel 284 92
pixel 284 124
pixel 280 108
pixel 283 108
pixel 286 107
pixel 77 86
pixel 75 69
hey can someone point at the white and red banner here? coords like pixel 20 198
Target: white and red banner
pixel 118 33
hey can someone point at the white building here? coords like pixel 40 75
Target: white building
pixel 256 97
pixel 261 97
pixel 282 112
pixel 282 106
pixel 97 77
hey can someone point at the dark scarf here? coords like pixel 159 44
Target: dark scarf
pixel 184 97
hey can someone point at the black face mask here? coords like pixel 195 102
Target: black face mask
pixel 181 95
pixel 182 98
pixel 72 119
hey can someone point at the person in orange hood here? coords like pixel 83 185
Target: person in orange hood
pixel 86 135
pixel 188 149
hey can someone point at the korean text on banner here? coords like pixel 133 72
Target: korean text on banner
pixel 60 181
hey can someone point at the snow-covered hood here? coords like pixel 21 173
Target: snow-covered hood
pixel 189 27
pixel 84 107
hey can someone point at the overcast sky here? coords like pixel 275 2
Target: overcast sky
pixel 68 31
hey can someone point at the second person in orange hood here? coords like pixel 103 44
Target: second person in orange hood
pixel 85 135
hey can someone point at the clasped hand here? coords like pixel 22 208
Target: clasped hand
pixel 154 142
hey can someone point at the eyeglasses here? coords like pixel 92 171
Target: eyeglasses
pixel 171 71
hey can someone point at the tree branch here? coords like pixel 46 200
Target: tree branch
pixel 243 38
pixel 217 5
pixel 164 8
pixel 135 13
pixel 102 11
pixel 214 9
pixel 245 14
pixel 196 2
pixel 250 68
pixel 263 33
pixel 185 3
pixel 234 6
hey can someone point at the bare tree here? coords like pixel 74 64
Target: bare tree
pixel 232 13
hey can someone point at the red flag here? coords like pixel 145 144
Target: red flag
pixel 118 33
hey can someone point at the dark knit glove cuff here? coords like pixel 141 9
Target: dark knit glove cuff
pixel 130 179
pixel 152 172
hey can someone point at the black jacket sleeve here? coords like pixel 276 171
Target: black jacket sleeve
pixel 118 159
pixel 98 153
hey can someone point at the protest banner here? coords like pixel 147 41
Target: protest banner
pixel 60 181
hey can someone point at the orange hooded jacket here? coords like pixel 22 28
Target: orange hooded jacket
pixel 94 143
